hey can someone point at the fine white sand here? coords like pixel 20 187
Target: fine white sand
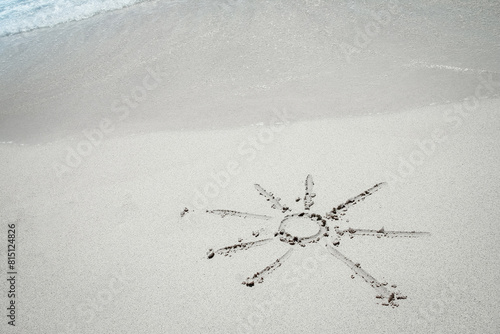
pixel 97 192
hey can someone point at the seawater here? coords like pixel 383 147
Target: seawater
pixel 24 15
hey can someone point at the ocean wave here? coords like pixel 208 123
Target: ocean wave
pixel 24 15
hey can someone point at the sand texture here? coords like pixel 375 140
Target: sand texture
pixel 175 167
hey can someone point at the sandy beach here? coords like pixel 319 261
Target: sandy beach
pixel 121 133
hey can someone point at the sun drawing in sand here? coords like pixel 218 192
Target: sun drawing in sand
pixel 331 234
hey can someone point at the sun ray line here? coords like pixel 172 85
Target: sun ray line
pixel 337 212
pixel 238 247
pixel 259 276
pixel 224 213
pixel 383 233
pixel 270 198
pixel 308 202
pixel 374 283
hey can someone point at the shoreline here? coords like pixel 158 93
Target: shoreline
pixel 210 72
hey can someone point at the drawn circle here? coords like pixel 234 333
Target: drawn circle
pixel 291 239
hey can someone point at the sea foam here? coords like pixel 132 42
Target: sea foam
pixel 25 15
